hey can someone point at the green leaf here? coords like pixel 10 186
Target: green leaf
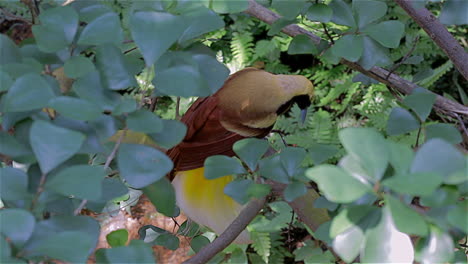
pixel 237 190
pixel 401 121
pixel 188 229
pixel 17 224
pixel 336 184
pixel 440 157
pixel 155 32
pixel 444 196
pixel 438 249
pixel 137 252
pixel 271 168
pixel 446 132
pixel 401 157
pixel 384 243
pixel 113 68
pixel 320 12
pixel 421 103
pixel 342 14
pixel 288 9
pixel 261 244
pixel 211 70
pixel 173 133
pixel 168 241
pixel 142 165
pixel 348 243
pixel 279 24
pixel 368 11
pixel 70 246
pixel 229 6
pixel 347 218
pixel 302 44
pixel 373 54
pixel 105 29
pixel 5 81
pixel 9 52
pixel 422 183
pixel 387 33
pixel 162 195
pixel 238 256
pixel 322 202
pixel 294 190
pixel 457 216
pixel 81 181
pixel 250 150
pixel 28 92
pixel 117 238
pixel 219 166
pixel 199 242
pixel 91 89
pixel 91 11
pixel 13 184
pixel 320 153
pixel 406 219
pixel 368 147
pixel 291 159
pixel 454 13
pixel 349 47
pixel 258 190
pixel 53 145
pixel 78 66
pixel 75 108
pixel 200 21
pixel 144 121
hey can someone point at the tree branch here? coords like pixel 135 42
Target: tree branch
pixel 442 104
pixel 230 234
pixel 439 34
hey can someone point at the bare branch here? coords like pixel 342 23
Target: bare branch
pixel 442 104
pixel 230 234
pixel 439 34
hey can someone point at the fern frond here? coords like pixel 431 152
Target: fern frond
pixel 261 244
pixel 242 47
pixel 437 74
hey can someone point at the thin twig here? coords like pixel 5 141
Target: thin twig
pixel 154 102
pixel 230 234
pixel 328 33
pixel 40 189
pixel 462 124
pixel 106 166
pixel 415 41
pixel 177 109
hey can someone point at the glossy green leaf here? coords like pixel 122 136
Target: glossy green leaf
pixel 144 121
pixel 294 190
pixel 117 238
pixel 13 184
pixel 92 10
pixel 258 190
pixel 302 44
pixel 199 242
pixel 385 244
pixel 291 159
pixel 288 9
pixel 81 181
pixel 441 197
pixel 421 103
pixel 439 247
pixel 347 218
pixel 70 246
pixel 162 195
pixel 349 47
pixel 9 52
pixel 211 70
pixel 320 12
pixel 278 25
pixel 458 215
pixel 387 33
pixel 11 146
pixel 75 108
pixel 348 243
pixel 155 32
pixel 188 229
pixel 322 202
pixel 368 147
pixel 105 29
pixel 336 184
pixel 137 252
pixel 446 132
pixel 406 219
pixel 374 54
pixel 173 133
pixel 229 6
pixel 142 165
pixel 271 168
pixel 114 68
pixel 422 183
pixel 5 81
pixel 53 145
pixel 401 121
pixel 78 66
pixel 250 151
pixel 438 156
pixel 200 21
pixel 320 153
pixel 237 190
pixel 90 88
pixel 219 166
pixel 401 157
pixel 342 13
pixel 454 13
pixel 368 11
pixel 128 104
pixel 28 92
pixel 168 241
pixel 17 225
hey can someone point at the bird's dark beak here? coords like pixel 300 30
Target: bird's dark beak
pixel 303 115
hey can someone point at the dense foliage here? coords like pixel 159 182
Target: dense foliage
pixel 90 94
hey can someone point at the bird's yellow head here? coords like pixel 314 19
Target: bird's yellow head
pixel 251 100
